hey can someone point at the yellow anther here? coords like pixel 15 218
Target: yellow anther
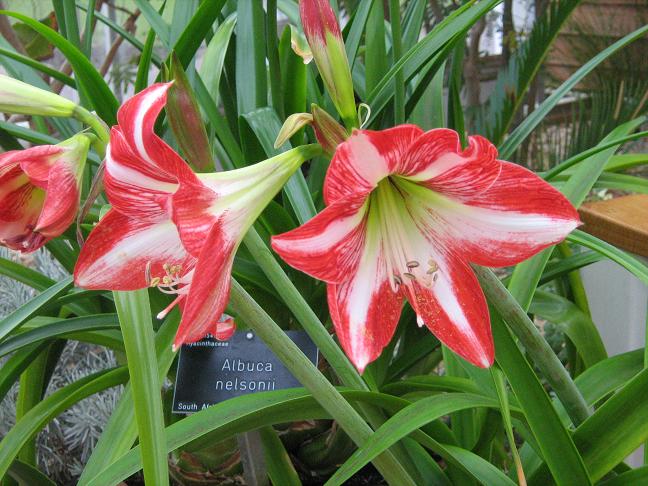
pixel 166 280
pixel 154 282
pixel 412 264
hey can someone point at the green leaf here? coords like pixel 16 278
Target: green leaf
pixel 241 414
pixel 16 364
pixel 39 66
pixel 266 125
pixel 450 30
pixel 280 469
pixel 527 274
pixel 514 80
pixel 196 30
pixel 144 65
pixel 212 65
pixel 251 82
pixel 90 81
pixel 60 328
pixel 161 28
pixel 120 432
pixel 405 422
pixel 553 439
pixel 50 407
pixel 604 446
pixel 134 313
pixel 530 122
pixel 627 261
pixel 578 326
pixel 27 475
pixel 635 476
pixel 28 310
pixel 353 38
pixel 123 33
pixel 26 275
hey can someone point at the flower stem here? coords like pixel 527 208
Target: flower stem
pixel 539 350
pixel 343 368
pixel 308 375
pixel 99 127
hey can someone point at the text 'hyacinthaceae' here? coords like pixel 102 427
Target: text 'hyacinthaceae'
pixel 170 228
pixel 40 191
pixel 327 47
pixel 406 213
pixel 23 98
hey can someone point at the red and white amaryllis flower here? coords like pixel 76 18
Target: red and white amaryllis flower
pixel 39 192
pixel 171 228
pixel 407 211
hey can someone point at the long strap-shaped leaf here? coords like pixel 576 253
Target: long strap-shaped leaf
pixel 89 79
pixel 514 80
pixel 613 432
pixel 25 312
pixel 525 128
pixel 120 432
pixel 50 407
pixel 134 311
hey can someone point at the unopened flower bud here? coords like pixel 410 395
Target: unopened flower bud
pixel 25 99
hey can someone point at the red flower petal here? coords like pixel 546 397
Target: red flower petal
pixel 364 309
pixel 135 187
pixel 37 162
pixel 455 310
pixel 318 18
pixel 209 291
pixel 329 246
pixel 519 215
pixel 191 204
pixel 437 161
pixel 120 249
pixel 61 202
pixel 136 119
pixel 364 159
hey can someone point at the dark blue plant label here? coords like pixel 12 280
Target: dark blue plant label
pixel 210 371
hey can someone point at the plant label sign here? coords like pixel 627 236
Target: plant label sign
pixel 210 371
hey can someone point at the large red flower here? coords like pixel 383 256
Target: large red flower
pixel 407 211
pixel 39 192
pixel 171 228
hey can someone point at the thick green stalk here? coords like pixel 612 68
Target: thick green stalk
pixel 537 347
pixel 397 51
pixel 343 368
pixel 302 311
pixel 134 313
pixel 99 127
pixel 308 375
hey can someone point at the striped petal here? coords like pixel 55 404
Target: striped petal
pixel 17 231
pixel 38 161
pixel 329 246
pixel 136 119
pixel 437 161
pixel 365 309
pixel 121 251
pixel 135 187
pixel 61 201
pixel 519 215
pixel 453 307
pixel 209 290
pixel 364 159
